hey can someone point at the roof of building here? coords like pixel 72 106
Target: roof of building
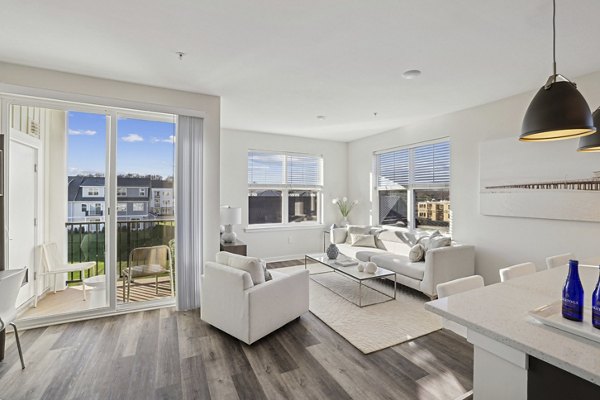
pixel 77 182
pixel 156 184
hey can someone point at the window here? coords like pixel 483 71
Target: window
pixel 137 207
pixel 413 186
pixel 284 188
pixel 93 191
pixel 84 208
pixel 121 192
pixel 142 192
pixel 121 207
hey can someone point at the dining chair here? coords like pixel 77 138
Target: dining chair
pixel 517 271
pixel 454 287
pixel 559 260
pixel 147 261
pixel 54 265
pixel 459 285
pixel 10 284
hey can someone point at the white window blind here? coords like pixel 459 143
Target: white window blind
pixel 426 164
pixel 393 168
pixel 303 170
pixel 265 168
pixel 293 170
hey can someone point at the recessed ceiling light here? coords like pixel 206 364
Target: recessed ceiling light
pixel 180 54
pixel 411 74
pixel 321 117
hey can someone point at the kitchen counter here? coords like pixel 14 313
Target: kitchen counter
pixel 498 324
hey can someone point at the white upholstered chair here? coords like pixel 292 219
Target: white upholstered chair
pixel 516 271
pixel 10 283
pixel 54 264
pixel 236 299
pixel 557 261
pixel 454 287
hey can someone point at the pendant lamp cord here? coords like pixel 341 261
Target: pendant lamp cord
pixel 554 38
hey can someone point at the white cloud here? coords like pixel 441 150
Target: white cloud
pixel 132 137
pixel 154 139
pixel 79 132
pixel 170 139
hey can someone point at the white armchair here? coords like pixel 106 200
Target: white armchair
pixel 232 303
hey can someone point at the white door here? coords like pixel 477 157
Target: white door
pixel 22 213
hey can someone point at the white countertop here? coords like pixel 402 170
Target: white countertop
pixel 500 312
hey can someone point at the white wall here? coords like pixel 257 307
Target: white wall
pixel 38 82
pixel 499 241
pixel 234 188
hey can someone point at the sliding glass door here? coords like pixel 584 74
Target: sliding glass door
pixel 90 193
pixel 56 224
pixel 145 207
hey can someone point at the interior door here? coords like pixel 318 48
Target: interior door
pixel 22 215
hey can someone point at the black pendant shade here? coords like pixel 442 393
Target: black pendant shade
pixel 558 111
pixel 591 143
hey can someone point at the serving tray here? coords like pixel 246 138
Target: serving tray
pixel 551 315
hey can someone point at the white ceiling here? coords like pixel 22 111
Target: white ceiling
pixel 278 64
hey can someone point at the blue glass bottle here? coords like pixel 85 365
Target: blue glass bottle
pixel 572 296
pixel 596 306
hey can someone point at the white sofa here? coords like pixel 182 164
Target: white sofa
pixel 233 303
pixel 441 265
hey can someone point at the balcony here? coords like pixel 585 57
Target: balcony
pixel 86 242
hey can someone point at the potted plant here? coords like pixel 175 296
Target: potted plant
pixel 345 206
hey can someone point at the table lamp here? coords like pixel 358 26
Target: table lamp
pixel 229 217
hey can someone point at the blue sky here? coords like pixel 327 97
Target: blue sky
pixel 143 146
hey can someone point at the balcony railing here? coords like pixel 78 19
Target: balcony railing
pixel 86 242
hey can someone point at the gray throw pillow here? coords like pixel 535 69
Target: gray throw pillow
pixel 417 253
pixel 268 276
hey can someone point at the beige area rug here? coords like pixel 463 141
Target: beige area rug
pixel 370 328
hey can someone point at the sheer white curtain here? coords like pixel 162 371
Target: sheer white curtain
pixel 188 255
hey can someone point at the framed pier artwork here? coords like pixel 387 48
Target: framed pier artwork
pixel 549 180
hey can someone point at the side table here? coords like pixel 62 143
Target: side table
pixel 237 247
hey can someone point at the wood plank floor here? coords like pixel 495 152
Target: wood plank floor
pixel 164 354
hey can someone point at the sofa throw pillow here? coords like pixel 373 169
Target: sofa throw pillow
pixel 423 241
pixel 251 265
pixel 439 241
pixel 356 230
pixel 416 253
pixel 358 240
pixel 338 235
pixel 268 276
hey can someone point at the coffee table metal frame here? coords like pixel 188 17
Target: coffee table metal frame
pixel 383 274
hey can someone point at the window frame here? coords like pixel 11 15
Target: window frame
pixel 121 191
pixel 411 187
pixel 285 188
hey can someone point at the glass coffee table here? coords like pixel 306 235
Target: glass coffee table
pixel 351 272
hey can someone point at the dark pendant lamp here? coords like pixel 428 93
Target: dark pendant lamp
pixel 558 111
pixel 591 143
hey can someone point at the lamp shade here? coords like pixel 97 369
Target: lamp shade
pixel 231 215
pixel 558 111
pixel 591 143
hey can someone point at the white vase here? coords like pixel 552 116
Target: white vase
pixel 344 222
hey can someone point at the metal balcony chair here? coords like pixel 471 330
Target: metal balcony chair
pixel 10 283
pixel 147 261
pixel 54 265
